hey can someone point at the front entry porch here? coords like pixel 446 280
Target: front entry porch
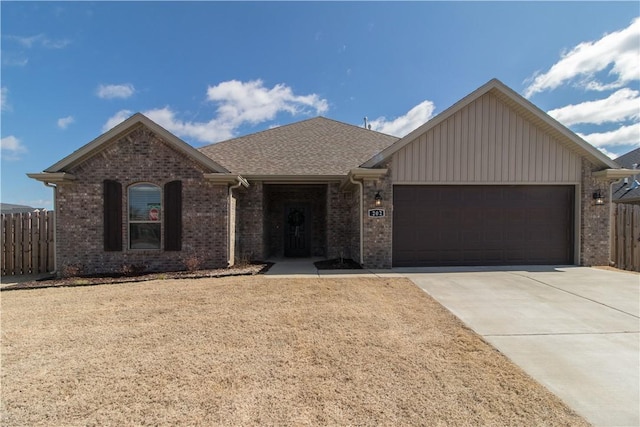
pixel 295 220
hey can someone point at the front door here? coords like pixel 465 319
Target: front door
pixel 297 231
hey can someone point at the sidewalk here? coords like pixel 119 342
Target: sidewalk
pixel 12 280
pixel 304 267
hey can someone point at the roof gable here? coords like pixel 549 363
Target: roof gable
pixel 92 148
pixel 317 146
pixel 519 104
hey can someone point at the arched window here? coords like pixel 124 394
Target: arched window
pixel 145 216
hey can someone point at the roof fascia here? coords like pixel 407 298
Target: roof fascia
pixel 52 177
pixel 495 85
pixel 614 174
pixel 362 174
pixel 629 201
pixel 293 179
pixel 226 179
pixel 367 173
pixel 127 126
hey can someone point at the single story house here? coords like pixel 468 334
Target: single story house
pixel 492 180
pixel 628 190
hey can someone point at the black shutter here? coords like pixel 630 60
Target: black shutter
pixel 173 216
pixel 112 215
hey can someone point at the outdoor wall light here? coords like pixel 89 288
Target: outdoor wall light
pixel 378 199
pixel 598 197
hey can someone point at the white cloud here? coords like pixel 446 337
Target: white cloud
pixel 4 101
pixel 238 103
pixel 618 50
pixel 402 125
pixel 11 60
pixel 39 40
pixel 11 148
pixel 608 153
pixel 64 122
pixel 251 102
pixel 116 119
pixel 618 107
pixel 626 135
pixel 124 91
pixel 211 131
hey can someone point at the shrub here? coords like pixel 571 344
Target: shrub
pixel 132 269
pixel 72 270
pixel 193 262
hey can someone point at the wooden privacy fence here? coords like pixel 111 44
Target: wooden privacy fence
pixel 27 243
pixel 626 237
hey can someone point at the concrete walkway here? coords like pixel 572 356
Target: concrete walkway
pixel 304 267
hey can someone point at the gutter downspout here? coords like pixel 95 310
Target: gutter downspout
pixel 360 214
pixel 55 226
pixel 229 225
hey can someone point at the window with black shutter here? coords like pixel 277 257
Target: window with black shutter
pixel 173 216
pixel 112 215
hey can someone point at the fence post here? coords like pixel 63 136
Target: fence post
pixel 51 243
pixel 5 251
pixel 34 241
pixel 42 241
pixel 620 236
pixel 11 245
pixel 635 238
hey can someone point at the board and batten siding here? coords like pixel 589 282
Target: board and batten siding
pixel 485 142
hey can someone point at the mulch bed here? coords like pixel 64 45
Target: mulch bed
pixel 337 264
pixel 51 282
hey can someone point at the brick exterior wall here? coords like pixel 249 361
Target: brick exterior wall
pixel 353 203
pixel 341 223
pixel 139 156
pixel 378 231
pixel 250 223
pixel 595 225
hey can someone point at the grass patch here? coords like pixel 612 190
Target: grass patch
pixel 256 351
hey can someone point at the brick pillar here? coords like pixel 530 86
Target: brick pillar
pixel 377 231
pixel 595 225
pixel 338 222
pixel 250 221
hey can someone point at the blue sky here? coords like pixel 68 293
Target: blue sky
pixel 209 71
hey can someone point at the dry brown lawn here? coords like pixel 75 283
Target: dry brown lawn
pixel 256 351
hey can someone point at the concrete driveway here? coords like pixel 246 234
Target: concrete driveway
pixel 573 329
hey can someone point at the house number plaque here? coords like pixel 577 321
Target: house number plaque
pixel 376 213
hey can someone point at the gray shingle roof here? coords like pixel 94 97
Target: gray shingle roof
pixel 317 146
pixel 626 191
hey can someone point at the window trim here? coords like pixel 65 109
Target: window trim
pixel 130 221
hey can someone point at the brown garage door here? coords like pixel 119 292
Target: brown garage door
pixel 482 225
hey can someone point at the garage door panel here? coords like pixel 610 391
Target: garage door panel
pixel 483 225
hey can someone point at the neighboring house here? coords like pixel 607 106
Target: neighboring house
pixel 8 208
pixel 492 180
pixel 628 190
